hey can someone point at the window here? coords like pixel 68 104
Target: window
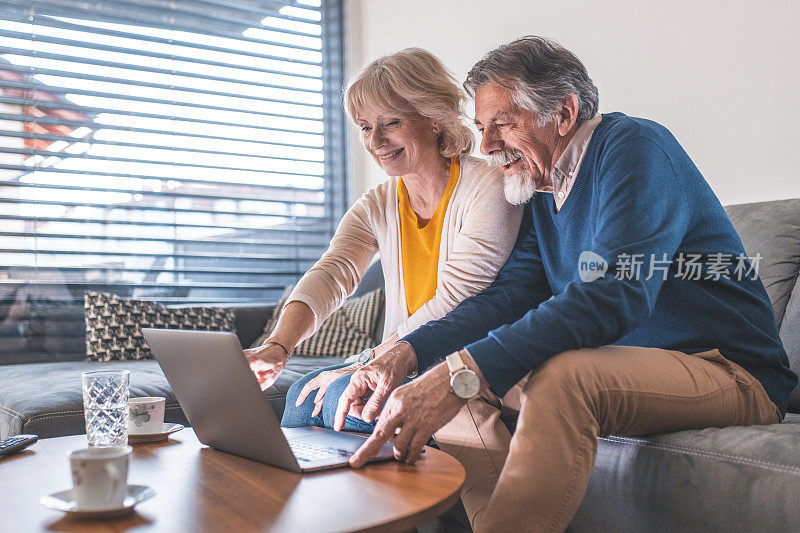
pixel 180 151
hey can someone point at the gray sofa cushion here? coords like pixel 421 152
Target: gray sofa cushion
pixel 772 229
pixel 790 335
pixel 373 279
pixel 729 479
pixel 45 398
pixel 250 320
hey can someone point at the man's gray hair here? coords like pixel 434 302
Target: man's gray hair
pixel 540 74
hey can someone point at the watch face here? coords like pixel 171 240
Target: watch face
pixel 465 384
pixel 364 357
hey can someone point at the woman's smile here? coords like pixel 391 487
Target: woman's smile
pixel 390 155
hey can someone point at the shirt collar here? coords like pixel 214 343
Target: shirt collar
pixel 569 162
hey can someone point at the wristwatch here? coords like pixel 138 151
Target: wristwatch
pixel 463 382
pixel 365 357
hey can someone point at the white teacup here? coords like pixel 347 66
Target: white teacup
pixel 100 476
pixel 146 415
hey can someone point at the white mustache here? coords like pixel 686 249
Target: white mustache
pixel 503 157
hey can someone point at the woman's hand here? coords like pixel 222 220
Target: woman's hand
pixel 322 382
pixel 267 362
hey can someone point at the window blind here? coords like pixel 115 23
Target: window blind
pixel 186 152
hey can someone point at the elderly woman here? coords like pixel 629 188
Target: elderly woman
pixel 440 223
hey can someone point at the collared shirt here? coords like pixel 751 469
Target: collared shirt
pixel 569 163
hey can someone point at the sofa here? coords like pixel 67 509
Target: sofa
pixel 45 398
pixel 731 479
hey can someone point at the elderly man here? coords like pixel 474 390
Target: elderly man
pixel 627 307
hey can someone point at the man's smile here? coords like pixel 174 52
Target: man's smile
pixel 509 167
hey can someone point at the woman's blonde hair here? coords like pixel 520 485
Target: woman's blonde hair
pixel 414 81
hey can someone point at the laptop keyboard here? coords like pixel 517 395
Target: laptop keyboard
pixel 306 451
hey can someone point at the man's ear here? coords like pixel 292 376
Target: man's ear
pixel 567 117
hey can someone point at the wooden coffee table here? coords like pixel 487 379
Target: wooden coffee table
pixel 200 489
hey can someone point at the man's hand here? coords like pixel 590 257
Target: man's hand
pixel 371 384
pixel 267 362
pixel 417 409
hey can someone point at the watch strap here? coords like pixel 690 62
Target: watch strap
pixel 455 363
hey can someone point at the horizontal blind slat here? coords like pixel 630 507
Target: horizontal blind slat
pixel 45 153
pixel 62 138
pixel 44 20
pixel 43 104
pixel 149 208
pixel 176 302
pixel 177 88
pixel 82 45
pixel 273 188
pixel 204 241
pixel 56 121
pixel 132 13
pixel 32 100
pixel 240 286
pixel 236 271
pixel 195 255
pixel 223 196
pixel 143 68
pixel 145 223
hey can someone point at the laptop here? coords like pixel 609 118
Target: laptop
pixel 228 411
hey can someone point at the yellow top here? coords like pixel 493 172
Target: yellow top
pixel 419 243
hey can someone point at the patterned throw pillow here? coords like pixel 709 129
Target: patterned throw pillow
pixel 349 330
pixel 113 324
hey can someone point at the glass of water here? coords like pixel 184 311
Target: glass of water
pixel 105 406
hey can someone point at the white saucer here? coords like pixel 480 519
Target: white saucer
pixel 65 501
pixel 166 431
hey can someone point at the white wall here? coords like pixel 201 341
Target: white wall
pixel 722 75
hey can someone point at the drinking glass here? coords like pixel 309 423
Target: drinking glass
pixel 105 406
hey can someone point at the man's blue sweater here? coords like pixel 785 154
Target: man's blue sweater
pixel 638 202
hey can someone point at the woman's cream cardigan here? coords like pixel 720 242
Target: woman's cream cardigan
pixel 479 231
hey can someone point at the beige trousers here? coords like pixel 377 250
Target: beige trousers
pixel 535 480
